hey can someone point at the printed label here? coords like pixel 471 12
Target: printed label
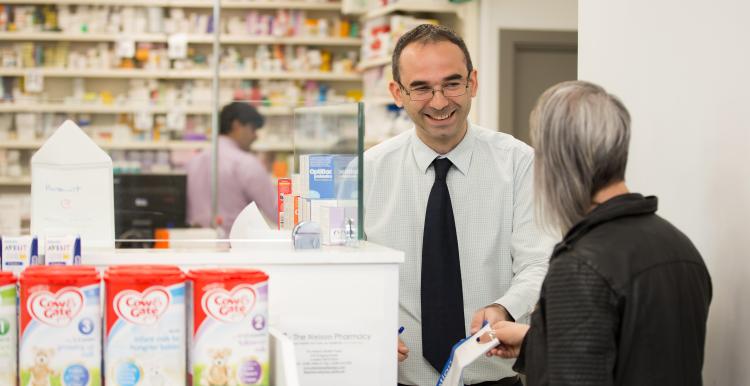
pixel 142 308
pixel 230 346
pixel 145 345
pixel 228 306
pixel 61 344
pixel 8 335
pixel 58 309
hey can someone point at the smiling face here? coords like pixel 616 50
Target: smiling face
pixel 440 121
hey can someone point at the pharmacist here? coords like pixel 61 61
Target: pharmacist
pixel 456 198
pixel 242 177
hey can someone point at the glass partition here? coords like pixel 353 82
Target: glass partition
pixel 154 107
pixel 328 146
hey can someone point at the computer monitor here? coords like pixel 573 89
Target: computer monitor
pixel 145 202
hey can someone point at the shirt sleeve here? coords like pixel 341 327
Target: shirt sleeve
pixel 581 322
pixel 258 187
pixel 530 247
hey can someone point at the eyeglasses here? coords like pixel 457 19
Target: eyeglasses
pixel 449 89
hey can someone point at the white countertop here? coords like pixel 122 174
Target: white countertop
pixel 249 253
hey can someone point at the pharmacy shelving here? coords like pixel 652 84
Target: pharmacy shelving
pixel 374 62
pixel 177 74
pixel 232 4
pixel 117 145
pixel 411 7
pixel 15 181
pixel 93 108
pixel 193 39
pixel 58 83
pixel 269 145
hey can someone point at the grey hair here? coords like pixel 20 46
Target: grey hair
pixel 580 134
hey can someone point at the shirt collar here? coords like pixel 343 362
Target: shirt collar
pixel 226 141
pixel 460 156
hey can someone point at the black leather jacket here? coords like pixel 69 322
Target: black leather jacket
pixel 625 302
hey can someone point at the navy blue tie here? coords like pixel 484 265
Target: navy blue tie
pixel 442 296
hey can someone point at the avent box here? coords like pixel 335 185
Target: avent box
pixel 145 326
pixel 228 326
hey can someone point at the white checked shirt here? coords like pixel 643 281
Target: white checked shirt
pixel 502 253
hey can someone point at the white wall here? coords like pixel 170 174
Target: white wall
pixel 558 15
pixel 682 68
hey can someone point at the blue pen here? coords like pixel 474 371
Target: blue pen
pixel 400 330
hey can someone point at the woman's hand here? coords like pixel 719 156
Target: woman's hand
pixel 510 336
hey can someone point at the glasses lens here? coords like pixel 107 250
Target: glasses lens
pixel 421 95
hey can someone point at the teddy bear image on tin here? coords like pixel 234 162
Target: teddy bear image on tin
pixel 41 371
pixel 218 373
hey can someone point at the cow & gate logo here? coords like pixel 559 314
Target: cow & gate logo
pixel 145 307
pixel 57 309
pixel 229 306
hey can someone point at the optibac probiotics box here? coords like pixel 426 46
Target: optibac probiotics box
pixel 60 342
pixel 145 326
pixel 228 326
pixel 8 325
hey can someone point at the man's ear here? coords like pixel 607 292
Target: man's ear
pixel 395 90
pixel 474 84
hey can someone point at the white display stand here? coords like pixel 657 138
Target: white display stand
pixel 337 305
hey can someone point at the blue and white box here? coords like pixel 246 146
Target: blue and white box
pixel 19 253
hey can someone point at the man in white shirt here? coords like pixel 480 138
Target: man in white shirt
pixel 457 199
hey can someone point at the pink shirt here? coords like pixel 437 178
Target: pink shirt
pixel 242 179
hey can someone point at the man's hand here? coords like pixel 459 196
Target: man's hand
pixel 403 351
pixel 511 337
pixel 492 314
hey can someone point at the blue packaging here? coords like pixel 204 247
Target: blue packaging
pixel 331 175
pixel 320 171
pixel 62 250
pixel 19 252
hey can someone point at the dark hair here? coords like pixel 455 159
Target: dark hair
pixel 242 112
pixel 427 33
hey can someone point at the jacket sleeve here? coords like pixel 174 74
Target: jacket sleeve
pixel 581 321
pixel 530 247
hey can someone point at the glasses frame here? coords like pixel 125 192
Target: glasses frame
pixel 435 90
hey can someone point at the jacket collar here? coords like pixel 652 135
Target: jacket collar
pixel 630 204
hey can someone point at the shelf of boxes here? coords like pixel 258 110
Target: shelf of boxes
pixel 15 181
pixel 411 7
pixel 163 145
pixel 83 108
pixel 119 145
pixel 193 39
pixel 237 4
pixel 375 62
pixel 176 74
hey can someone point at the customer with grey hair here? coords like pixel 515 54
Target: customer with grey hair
pixel 627 294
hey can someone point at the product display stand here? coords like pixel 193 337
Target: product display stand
pixel 338 306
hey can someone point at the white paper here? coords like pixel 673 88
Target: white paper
pixel 72 189
pixel 33 80
pixel 10 220
pixel 144 120
pixel 125 48
pixel 335 352
pixel 464 352
pixel 177 46
pixel 176 119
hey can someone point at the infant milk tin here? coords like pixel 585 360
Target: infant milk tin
pixel 8 325
pixel 228 325
pixel 145 326
pixel 60 342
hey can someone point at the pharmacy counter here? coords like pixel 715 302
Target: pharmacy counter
pixel 337 305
